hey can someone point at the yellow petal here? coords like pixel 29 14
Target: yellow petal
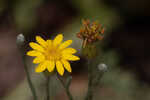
pixel 41 41
pixel 59 68
pixel 70 57
pixel 41 67
pixel 49 42
pixel 58 39
pixel 39 59
pixel 65 44
pixel 66 65
pixel 51 66
pixel 33 53
pixel 35 46
pixel 69 51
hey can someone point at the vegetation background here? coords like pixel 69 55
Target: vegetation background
pixel 125 48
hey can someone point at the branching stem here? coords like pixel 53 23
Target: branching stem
pixel 66 88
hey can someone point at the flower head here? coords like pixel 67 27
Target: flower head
pixel 51 53
pixel 90 32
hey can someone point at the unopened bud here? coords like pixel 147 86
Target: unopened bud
pixel 103 67
pixel 20 39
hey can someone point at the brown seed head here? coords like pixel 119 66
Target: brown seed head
pixel 90 32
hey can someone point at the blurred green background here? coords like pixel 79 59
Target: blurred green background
pixel 125 48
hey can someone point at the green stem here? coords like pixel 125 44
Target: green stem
pixel 89 95
pixel 28 78
pixel 20 42
pixel 47 88
pixel 66 88
pixel 97 79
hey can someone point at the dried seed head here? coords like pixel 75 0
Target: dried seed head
pixel 91 32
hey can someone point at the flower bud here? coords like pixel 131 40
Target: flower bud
pixel 103 67
pixel 20 39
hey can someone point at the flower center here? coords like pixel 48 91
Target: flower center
pixel 52 53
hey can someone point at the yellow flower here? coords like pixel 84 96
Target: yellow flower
pixel 52 52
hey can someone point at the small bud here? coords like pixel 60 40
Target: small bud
pixel 103 67
pixel 20 39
